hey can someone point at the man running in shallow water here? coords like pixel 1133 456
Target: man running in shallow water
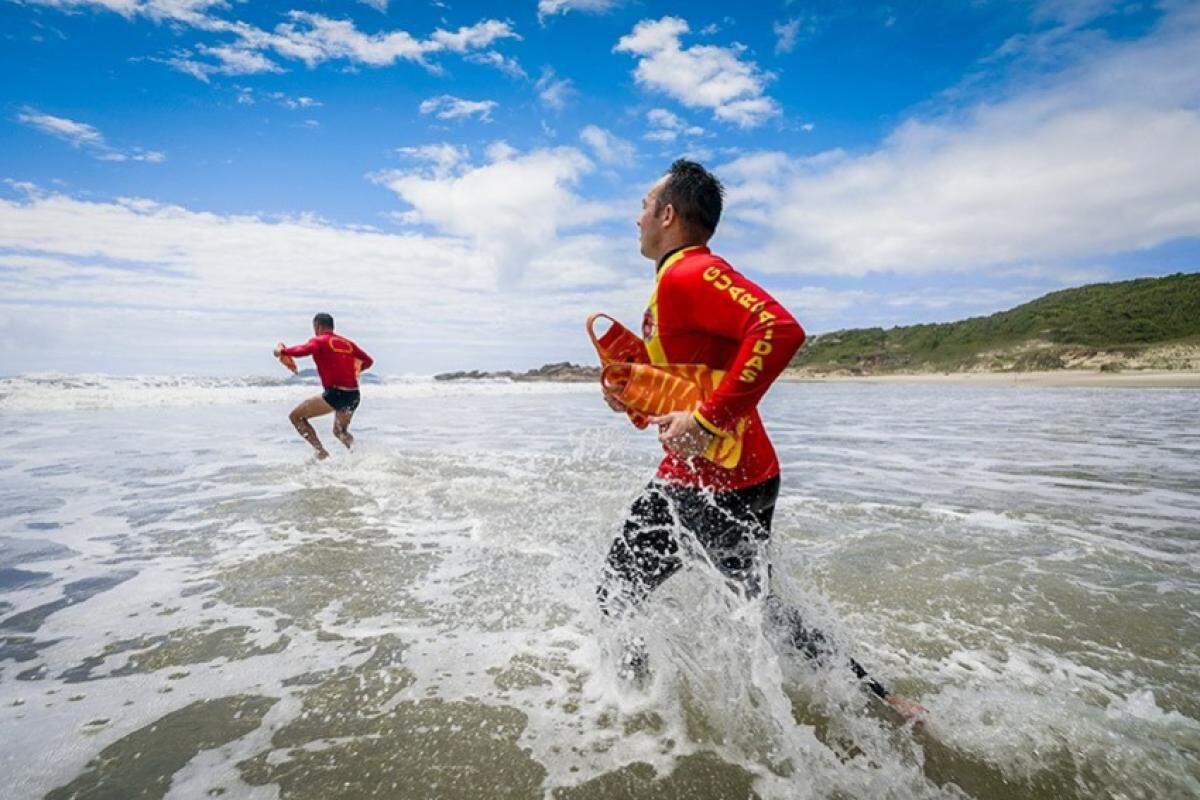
pixel 703 311
pixel 338 361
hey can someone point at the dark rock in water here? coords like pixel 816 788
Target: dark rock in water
pixel 563 371
pixel 474 375
pixel 560 371
pixel 310 376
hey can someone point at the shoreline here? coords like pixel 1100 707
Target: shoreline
pixel 1144 379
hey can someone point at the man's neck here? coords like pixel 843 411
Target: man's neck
pixel 663 258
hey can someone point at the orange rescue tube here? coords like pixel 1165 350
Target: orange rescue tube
pixel 287 361
pixel 619 345
pixel 652 390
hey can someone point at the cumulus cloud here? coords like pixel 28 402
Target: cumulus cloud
pixel 788 33
pixel 178 284
pixel 304 36
pixel 444 158
pixel 314 39
pixel 785 35
pixel 246 96
pixel 666 126
pixel 700 76
pixel 607 146
pixel 548 8
pixel 552 90
pixel 509 66
pixel 229 60
pixel 85 137
pixel 450 107
pixel 189 12
pixel 1095 160
pixel 514 203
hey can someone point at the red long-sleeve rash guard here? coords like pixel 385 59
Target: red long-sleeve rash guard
pixel 704 312
pixel 334 356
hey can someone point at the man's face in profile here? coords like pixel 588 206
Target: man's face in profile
pixel 649 223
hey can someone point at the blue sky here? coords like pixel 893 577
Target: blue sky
pixel 187 181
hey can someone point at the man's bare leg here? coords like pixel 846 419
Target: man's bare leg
pixel 300 416
pixel 341 426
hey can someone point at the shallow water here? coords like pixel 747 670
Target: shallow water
pixel 191 607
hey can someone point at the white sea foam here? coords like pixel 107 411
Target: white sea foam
pixel 471 524
pixel 58 392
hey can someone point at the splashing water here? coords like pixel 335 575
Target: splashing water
pixel 190 606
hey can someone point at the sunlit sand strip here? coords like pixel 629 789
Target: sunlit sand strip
pixel 1142 379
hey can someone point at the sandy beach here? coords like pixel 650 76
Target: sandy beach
pixel 1146 379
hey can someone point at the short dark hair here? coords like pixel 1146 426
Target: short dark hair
pixel 696 195
pixel 323 320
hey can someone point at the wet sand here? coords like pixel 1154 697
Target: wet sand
pixel 1146 379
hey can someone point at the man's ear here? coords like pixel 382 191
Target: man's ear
pixel 669 215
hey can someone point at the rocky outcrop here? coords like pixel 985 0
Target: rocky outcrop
pixel 563 371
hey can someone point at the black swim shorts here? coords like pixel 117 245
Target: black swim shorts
pixel 342 399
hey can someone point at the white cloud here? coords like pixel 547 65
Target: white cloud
pixel 190 12
pixel 666 126
pixel 77 134
pixel 231 60
pixel 450 107
pixel 379 5
pixel 513 199
pixel 247 97
pixel 305 36
pixel 548 8
pixel 314 39
pixel 509 66
pixel 295 102
pixel 474 37
pixel 608 147
pixel 157 275
pixel 1072 13
pixel 552 90
pixel 82 136
pixel 235 60
pixel 443 157
pixel 501 150
pixel 1098 159
pixel 701 76
pixel 785 35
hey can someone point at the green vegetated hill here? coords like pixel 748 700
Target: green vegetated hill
pixel 1144 323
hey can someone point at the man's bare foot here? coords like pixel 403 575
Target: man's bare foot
pixel 910 710
pixel 346 439
pixel 322 455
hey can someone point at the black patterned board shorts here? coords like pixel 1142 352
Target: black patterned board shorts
pixel 731 526
pixel 342 399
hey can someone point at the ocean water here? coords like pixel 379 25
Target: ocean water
pixel 191 607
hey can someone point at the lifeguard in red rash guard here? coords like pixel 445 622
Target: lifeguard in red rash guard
pixel 339 362
pixel 719 477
